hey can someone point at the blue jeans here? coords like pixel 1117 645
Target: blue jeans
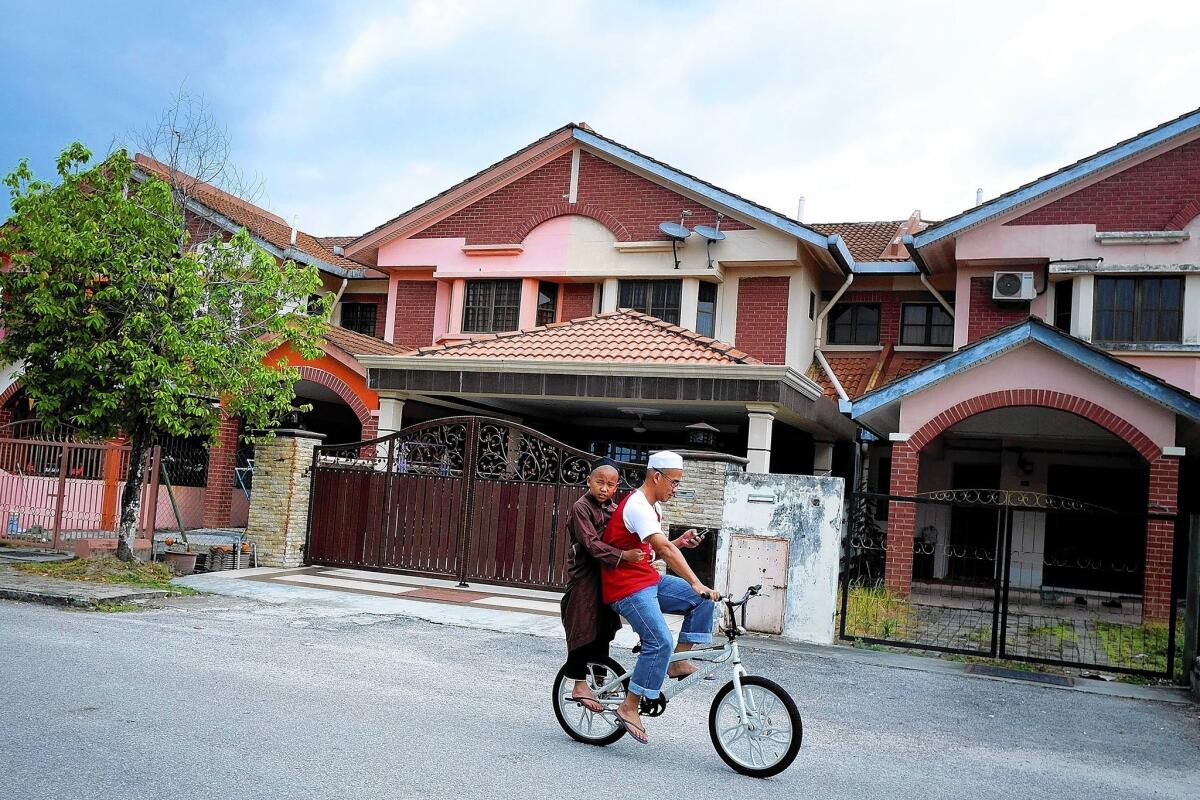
pixel 644 610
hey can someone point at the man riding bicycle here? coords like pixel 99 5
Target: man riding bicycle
pixel 639 594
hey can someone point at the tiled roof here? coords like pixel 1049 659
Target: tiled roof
pixel 622 336
pixel 357 344
pixel 335 241
pixel 862 372
pixel 258 221
pixel 853 370
pixel 866 240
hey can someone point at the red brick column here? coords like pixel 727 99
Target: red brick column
pixel 897 572
pixel 221 461
pixel 1160 540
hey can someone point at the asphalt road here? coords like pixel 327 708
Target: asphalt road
pixel 213 698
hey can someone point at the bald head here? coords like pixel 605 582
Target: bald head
pixel 602 482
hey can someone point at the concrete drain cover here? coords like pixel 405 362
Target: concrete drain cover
pixel 1021 675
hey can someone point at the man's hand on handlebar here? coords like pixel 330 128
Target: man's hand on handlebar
pixel 705 592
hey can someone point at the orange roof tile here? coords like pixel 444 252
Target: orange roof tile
pixel 358 344
pixel 866 240
pixel 258 221
pixel 853 370
pixel 622 336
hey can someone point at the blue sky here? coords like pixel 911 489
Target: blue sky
pixel 349 113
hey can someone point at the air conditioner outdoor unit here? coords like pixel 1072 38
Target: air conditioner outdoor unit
pixel 1013 286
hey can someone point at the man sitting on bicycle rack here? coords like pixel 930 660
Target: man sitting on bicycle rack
pixel 639 594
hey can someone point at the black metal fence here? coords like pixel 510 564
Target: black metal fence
pixel 1009 574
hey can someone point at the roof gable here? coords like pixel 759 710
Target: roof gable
pixel 622 336
pixel 549 149
pixel 1081 170
pixel 270 230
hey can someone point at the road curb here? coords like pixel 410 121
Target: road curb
pixel 72 600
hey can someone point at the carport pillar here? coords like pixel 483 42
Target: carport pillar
pixel 278 521
pixel 219 484
pixel 902 517
pixel 758 437
pixel 391 415
pixel 1160 539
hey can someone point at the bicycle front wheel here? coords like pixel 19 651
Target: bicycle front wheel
pixel 766 742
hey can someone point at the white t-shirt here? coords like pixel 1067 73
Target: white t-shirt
pixel 641 518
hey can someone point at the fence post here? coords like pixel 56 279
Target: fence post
pixel 61 497
pixel 1191 619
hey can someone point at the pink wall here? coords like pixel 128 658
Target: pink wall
pixel 546 250
pixel 1181 371
pixel 1039 307
pixel 31 498
pixel 1034 367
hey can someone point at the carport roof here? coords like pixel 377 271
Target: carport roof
pixel 1122 373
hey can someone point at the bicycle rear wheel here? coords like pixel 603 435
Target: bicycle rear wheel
pixel 579 723
pixel 767 743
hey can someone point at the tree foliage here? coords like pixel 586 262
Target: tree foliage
pixel 121 330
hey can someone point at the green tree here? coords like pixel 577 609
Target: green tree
pixel 119 329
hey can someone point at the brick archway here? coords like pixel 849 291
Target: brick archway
pixel 342 390
pixel 578 209
pixel 10 392
pixel 1163 487
pixel 1039 398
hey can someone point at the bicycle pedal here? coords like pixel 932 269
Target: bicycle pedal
pixel 652 708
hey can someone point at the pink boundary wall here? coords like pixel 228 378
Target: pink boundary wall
pixel 32 499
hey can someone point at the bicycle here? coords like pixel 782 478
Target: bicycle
pixel 753 722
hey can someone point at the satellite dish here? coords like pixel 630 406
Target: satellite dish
pixel 710 233
pixel 674 230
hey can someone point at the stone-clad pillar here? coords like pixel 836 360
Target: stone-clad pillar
pixel 279 505
pixel 701 496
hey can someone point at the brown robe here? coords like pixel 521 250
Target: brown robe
pixel 584 616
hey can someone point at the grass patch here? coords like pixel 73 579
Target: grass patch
pixel 109 569
pixel 876 613
pixel 1063 633
pixel 111 607
pixel 1138 646
pixel 981 635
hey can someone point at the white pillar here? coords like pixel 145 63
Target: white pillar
pixel 391 415
pixel 608 296
pixel 822 458
pixel 1082 302
pixel 1191 309
pixel 689 296
pixel 758 438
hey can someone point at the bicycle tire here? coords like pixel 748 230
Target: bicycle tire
pixel 555 689
pixel 793 714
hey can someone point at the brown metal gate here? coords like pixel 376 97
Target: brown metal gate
pixel 469 498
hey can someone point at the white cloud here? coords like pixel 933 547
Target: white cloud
pixel 870 110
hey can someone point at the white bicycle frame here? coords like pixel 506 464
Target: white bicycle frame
pixel 708 660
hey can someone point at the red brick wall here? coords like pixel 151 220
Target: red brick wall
pixel 577 300
pixel 986 315
pixel 380 302
pixel 762 310
pixel 639 204
pixel 897 568
pixel 1160 194
pixel 629 205
pixel 219 489
pixel 1160 539
pixel 201 230
pixel 414 313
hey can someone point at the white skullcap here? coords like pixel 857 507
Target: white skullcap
pixel 665 459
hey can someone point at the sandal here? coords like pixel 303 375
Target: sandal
pixel 636 731
pixel 584 701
